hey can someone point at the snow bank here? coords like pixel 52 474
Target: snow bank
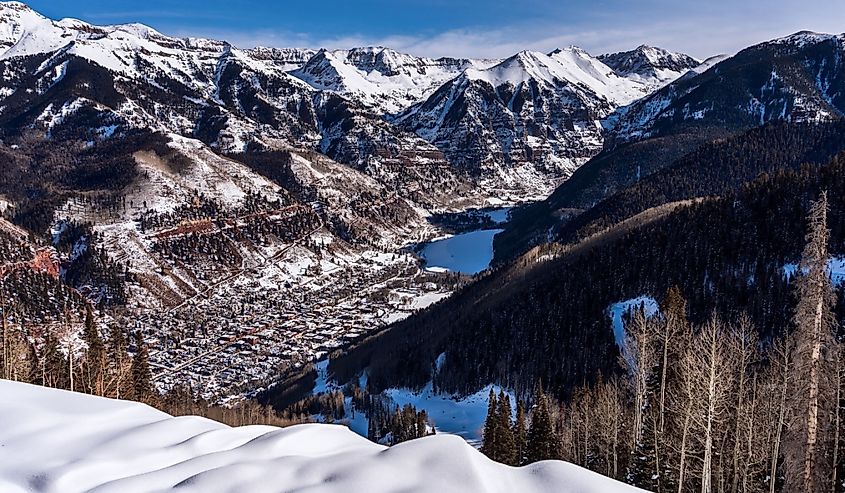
pixel 58 441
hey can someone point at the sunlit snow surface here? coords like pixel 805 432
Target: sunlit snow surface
pixel 467 253
pixel 57 441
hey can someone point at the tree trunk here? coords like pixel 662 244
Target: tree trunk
pixel 684 435
pixel 813 399
pixel 773 471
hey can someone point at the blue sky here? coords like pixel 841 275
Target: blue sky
pixel 492 28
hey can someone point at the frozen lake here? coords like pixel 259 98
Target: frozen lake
pixel 467 253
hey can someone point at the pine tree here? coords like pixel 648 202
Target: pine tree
pixel 520 433
pixel 142 385
pixel 542 439
pixel 53 365
pixel 506 443
pixel 643 468
pixel 813 348
pixel 95 356
pixel 490 443
pixel 118 361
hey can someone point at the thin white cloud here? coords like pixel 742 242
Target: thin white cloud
pixel 505 42
pixel 701 29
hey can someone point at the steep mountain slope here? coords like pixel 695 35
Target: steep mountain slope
pixel 653 66
pixel 798 78
pixel 546 317
pixel 534 113
pixel 714 168
pixel 62 438
pixel 94 80
pixel 380 77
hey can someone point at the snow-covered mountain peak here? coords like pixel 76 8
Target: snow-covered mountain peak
pixel 572 49
pixel 570 66
pixel 16 19
pixel 807 38
pixel 516 69
pixel 379 77
pixel 386 61
pixel 326 70
pixel 16 9
pixel 654 66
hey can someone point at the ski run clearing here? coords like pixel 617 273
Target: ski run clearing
pixel 64 442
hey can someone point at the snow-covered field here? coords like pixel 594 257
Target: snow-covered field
pixel 462 416
pixel 57 441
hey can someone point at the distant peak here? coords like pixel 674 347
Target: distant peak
pixel 648 61
pixel 15 6
pixel 569 49
pixel 807 36
pixel 527 55
pixel 370 49
pixel 18 9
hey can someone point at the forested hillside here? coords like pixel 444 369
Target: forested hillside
pixel 545 318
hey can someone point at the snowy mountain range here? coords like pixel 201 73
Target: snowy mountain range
pixel 796 78
pixel 651 66
pixel 532 115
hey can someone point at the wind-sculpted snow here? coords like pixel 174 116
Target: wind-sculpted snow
pixel 58 441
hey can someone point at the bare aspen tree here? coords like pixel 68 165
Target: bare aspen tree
pixel 683 400
pixel 609 409
pixel 744 353
pixel 706 362
pixel 780 378
pixel 813 349
pixel 639 358
pixel 838 377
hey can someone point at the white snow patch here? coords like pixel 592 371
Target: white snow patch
pixel 835 269
pixel 616 310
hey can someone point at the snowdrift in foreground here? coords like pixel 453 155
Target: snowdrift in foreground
pixel 58 441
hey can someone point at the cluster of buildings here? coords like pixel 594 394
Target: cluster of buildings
pixel 244 334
